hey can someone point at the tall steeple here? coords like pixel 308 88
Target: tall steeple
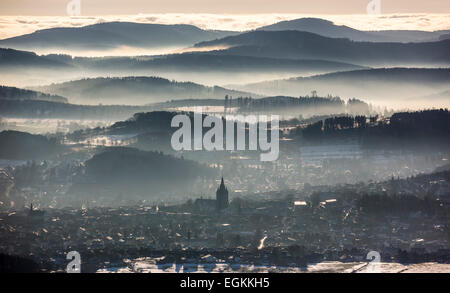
pixel 222 196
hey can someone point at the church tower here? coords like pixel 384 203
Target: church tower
pixel 222 196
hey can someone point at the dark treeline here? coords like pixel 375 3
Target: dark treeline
pixel 140 123
pixel 249 104
pixel 334 126
pixel 303 104
pixel 11 59
pixel 204 61
pixel 7 92
pixel 156 121
pixel 428 128
pixel 189 103
pixel 15 145
pixel 45 109
pixel 422 129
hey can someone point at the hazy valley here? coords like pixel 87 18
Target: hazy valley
pixel 359 120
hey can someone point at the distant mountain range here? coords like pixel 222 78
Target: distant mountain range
pixel 199 67
pixel 329 29
pixel 111 35
pixel 304 45
pixel 213 62
pixel 134 90
pixel 388 85
pixel 176 62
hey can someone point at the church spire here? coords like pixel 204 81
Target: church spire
pixel 222 196
pixel 222 185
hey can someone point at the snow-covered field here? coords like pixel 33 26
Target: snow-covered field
pixel 149 266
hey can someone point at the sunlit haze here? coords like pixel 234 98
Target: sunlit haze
pixel 18 25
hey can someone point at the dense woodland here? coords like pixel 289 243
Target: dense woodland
pixel 7 92
pixel 308 104
pixel 402 130
pixel 44 109
pixel 15 145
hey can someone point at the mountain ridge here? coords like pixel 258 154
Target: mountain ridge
pixel 108 35
pixel 329 29
pixel 139 89
pixel 304 45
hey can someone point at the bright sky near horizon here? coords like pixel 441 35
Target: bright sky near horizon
pixel 109 7
pixel 19 17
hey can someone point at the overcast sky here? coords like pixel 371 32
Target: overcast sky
pixel 108 7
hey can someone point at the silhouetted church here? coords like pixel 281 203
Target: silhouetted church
pixel 220 203
pixel 221 196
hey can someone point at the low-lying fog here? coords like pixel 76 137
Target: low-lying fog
pixel 212 77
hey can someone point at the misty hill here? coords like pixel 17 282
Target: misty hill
pixel 15 145
pixel 7 92
pixel 33 109
pixel 304 45
pixel 155 122
pixel 389 85
pixel 201 67
pixel 14 58
pixel 149 131
pixel 198 67
pixel 127 172
pixel 329 29
pixel 203 62
pixel 212 62
pixel 21 103
pixel 109 35
pixel 134 90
